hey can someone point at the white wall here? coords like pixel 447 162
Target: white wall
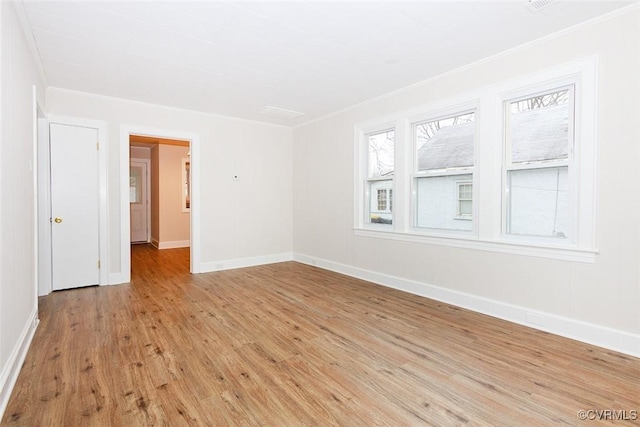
pixel 247 218
pixel 18 306
pixel 173 223
pixel 604 294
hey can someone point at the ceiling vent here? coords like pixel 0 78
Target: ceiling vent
pixel 281 113
pixel 538 5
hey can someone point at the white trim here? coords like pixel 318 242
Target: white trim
pixel 168 107
pixel 118 279
pixel 125 225
pixel 103 196
pixel 33 165
pixel 461 239
pixel 171 244
pixel 44 209
pixel 230 264
pixel 12 367
pixel 590 333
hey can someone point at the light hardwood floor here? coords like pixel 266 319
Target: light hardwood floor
pixel 292 345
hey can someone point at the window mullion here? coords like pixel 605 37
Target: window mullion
pixel 401 188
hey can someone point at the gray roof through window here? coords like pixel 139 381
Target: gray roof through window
pixel 537 135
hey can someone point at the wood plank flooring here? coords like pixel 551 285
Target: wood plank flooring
pixel 292 345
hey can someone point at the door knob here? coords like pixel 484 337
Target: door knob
pixel 58 220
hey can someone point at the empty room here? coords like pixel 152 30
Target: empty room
pixel 319 213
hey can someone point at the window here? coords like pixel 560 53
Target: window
pixel 382 199
pixel 444 152
pixel 379 182
pixel 538 139
pixel 464 204
pixel 508 168
pixel 186 184
pixel 385 196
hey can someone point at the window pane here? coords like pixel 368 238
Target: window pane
pixel 380 165
pixel 437 203
pixel 466 207
pixel 445 143
pixel 465 191
pixel 382 200
pixel 538 202
pixel 381 146
pixel 135 184
pixel 539 127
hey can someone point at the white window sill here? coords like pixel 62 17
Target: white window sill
pixel 560 252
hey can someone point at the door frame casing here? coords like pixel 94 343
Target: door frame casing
pixel 42 206
pixel 44 196
pixel 147 183
pixel 126 130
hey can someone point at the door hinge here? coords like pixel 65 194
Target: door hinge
pixel 98 263
pixel 98 146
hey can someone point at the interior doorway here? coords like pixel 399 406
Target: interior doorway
pixel 159 192
pixel 156 140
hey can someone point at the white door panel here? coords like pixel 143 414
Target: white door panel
pixel 138 201
pixel 74 206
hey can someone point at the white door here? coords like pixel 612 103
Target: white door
pixel 74 206
pixel 139 201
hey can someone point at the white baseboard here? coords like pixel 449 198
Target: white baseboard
pixel 171 245
pixel 11 369
pixel 229 264
pixel 118 278
pixel 590 333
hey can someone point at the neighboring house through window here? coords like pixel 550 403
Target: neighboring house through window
pixel 385 197
pixel 509 167
pixel 464 203
pixel 380 164
pixel 444 152
pixel 538 134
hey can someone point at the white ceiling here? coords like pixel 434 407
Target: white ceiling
pixel 316 57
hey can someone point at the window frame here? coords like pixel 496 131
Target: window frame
pixel 571 82
pixel 454 110
pixel 459 215
pixel 510 166
pixel 362 213
pixel 385 198
pixel 488 170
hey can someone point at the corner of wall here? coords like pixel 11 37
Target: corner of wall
pixel 10 371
